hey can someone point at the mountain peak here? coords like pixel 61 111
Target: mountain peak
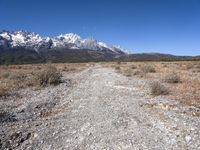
pixel 70 37
pixel 34 41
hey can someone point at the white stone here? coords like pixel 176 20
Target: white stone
pixel 188 139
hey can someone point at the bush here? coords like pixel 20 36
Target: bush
pixel 117 68
pixel 49 75
pixel 139 73
pixel 158 89
pixel 133 67
pixel 189 66
pixel 4 92
pixel 6 75
pixel 148 69
pixel 18 76
pixel 197 66
pixel 127 72
pixel 172 78
pixel 165 65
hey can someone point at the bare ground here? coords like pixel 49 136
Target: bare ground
pixel 97 108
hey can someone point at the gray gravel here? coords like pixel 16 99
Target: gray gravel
pixel 97 109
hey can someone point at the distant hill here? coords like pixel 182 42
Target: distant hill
pixel 157 57
pixel 23 56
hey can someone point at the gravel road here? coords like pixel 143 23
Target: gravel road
pixel 97 109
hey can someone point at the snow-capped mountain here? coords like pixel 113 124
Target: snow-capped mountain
pixel 31 40
pixel 28 47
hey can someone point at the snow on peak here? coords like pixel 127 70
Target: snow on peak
pixel 71 37
pixel 122 49
pixel 21 38
pixel 5 35
pixel 72 41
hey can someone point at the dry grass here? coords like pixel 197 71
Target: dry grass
pixel 15 77
pixel 148 69
pixel 172 78
pixel 188 91
pixel 182 78
pixel 4 92
pixel 117 68
pixel 187 75
pixel 130 69
pixel 48 76
pixel 133 67
pixel 158 89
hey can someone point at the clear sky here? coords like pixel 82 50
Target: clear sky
pixel 165 26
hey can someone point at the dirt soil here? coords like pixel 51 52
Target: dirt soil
pixel 95 109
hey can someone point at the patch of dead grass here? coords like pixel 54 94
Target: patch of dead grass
pixel 15 77
pixel 186 74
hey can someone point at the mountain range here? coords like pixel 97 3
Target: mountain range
pixel 19 47
pixel 28 47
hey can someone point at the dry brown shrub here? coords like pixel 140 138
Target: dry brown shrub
pixel 189 92
pixel 49 75
pixel 165 65
pixel 197 66
pixel 133 67
pixel 5 75
pixel 18 76
pixel 127 72
pixel 172 78
pixel 148 69
pixel 189 66
pixel 158 89
pixel 4 92
pixel 72 69
pixel 117 68
pixel 139 73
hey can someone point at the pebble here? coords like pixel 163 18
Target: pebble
pixel 188 139
pixel 35 135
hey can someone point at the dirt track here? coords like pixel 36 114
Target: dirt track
pixel 97 109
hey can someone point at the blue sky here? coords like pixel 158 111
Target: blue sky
pixel 165 26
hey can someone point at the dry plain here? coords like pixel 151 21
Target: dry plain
pixel 107 105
